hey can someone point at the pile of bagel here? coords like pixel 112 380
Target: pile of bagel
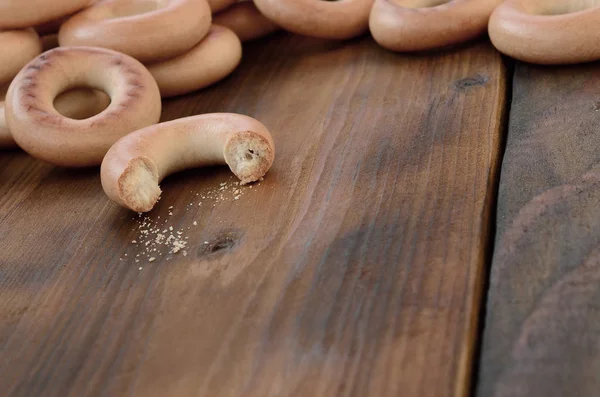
pixel 82 81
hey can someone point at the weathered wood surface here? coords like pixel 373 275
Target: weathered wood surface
pixel 542 334
pixel 353 269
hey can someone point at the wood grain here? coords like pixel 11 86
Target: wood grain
pixel 542 332
pixel 353 269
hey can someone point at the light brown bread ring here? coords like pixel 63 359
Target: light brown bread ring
pixel 77 103
pixel 419 25
pixel 136 164
pixel 246 21
pixel 211 60
pixel 39 129
pixel 219 5
pixel 17 47
pixel 547 32
pixel 16 14
pixel 148 31
pixel 342 19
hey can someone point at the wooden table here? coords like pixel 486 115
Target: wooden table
pixel 360 266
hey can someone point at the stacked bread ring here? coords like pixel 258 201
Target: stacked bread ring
pixel 88 92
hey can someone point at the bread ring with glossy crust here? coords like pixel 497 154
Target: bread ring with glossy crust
pixel 340 19
pixel 77 103
pixel 547 32
pixel 43 132
pixel 246 21
pixel 418 25
pixel 219 5
pixel 17 47
pixel 136 164
pixel 213 59
pixel 146 30
pixel 25 13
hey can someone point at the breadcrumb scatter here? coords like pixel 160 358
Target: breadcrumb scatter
pixel 156 238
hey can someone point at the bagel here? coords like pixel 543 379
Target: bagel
pixel 39 129
pixel 219 5
pixel 419 25
pixel 136 164
pixel 547 32
pixel 214 58
pixel 246 21
pixel 16 14
pixel 148 31
pixel 17 48
pixel 342 19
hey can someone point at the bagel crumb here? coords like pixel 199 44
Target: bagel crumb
pixel 156 239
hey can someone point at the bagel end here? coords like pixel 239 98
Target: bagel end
pixel 249 156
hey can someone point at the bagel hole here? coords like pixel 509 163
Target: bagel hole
pixel 80 103
pixel 420 3
pixel 560 7
pixel 139 7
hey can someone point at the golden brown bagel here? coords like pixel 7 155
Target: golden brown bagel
pixel 146 30
pixel 246 21
pixel 39 129
pixel 17 47
pixel 25 13
pixel 136 164
pixel 548 31
pixel 418 25
pixel 219 5
pixel 211 60
pixel 341 19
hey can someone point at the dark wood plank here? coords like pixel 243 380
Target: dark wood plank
pixel 542 330
pixel 353 269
